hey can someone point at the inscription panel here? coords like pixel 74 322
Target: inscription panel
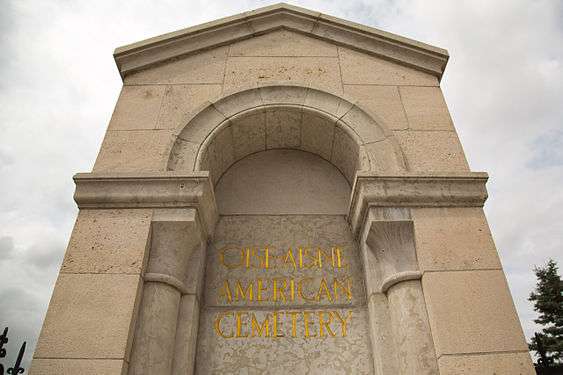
pixel 283 293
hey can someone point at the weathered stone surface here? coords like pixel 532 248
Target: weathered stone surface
pixel 279 234
pixel 426 108
pixel 186 335
pixel 138 108
pixel 471 312
pixel 298 355
pixel 295 182
pixel 180 101
pixel 487 363
pixel 108 241
pixel 317 135
pixel 323 71
pixel 249 134
pixel 384 101
pixel 454 239
pixel 153 51
pixel 283 43
pixel 411 332
pixel 60 366
pixel 359 68
pixel 90 316
pixel 134 150
pixel 385 359
pixel 205 67
pixel 429 151
pixel 283 129
pixel 364 125
pixel 345 152
pixel 183 155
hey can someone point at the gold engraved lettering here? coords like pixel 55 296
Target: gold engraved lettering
pixel 293 322
pixel 323 290
pixel 306 323
pixel 242 294
pixel 259 289
pixel 325 324
pixel 240 324
pixel 225 292
pixel 257 329
pixel 277 325
pixel 300 290
pixel 230 265
pixel 218 329
pixel 344 322
pixel 339 285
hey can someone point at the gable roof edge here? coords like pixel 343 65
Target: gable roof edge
pixel 224 31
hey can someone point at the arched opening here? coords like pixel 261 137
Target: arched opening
pixel 284 117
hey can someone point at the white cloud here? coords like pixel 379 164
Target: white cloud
pixel 59 85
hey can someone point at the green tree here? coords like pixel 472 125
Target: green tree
pixel 548 303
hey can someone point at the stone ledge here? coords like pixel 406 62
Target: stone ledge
pixel 148 190
pixel 465 189
pixel 141 55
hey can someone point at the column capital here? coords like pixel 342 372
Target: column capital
pixel 466 189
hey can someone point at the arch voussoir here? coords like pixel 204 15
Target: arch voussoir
pixel 260 118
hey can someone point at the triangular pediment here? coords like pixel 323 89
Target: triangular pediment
pixel 144 54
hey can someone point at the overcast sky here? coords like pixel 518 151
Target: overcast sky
pixel 59 84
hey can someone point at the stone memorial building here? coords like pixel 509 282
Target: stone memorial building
pixel 281 192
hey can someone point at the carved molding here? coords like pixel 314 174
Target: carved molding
pixel 166 279
pixel 148 190
pixel 141 55
pixel 465 189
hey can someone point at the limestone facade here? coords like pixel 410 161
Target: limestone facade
pixel 285 129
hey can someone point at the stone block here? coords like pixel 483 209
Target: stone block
pixel 181 100
pixel 432 151
pixel 238 99
pixel 108 241
pixel 183 156
pixel 360 68
pixel 90 317
pixel 134 151
pixel 204 67
pixel 317 134
pixel 426 108
pixel 471 312
pixel 345 154
pixel 220 152
pixel 78 366
pixel 383 101
pixel 283 128
pixel 137 108
pixel 491 363
pixel 281 93
pixel 283 43
pixel 201 123
pixel 454 239
pixel 364 125
pixel 322 71
pixel 385 157
pixel 324 102
pixel 186 335
pixel 249 134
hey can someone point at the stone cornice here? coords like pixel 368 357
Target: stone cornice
pixel 415 190
pixel 142 55
pixel 148 190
